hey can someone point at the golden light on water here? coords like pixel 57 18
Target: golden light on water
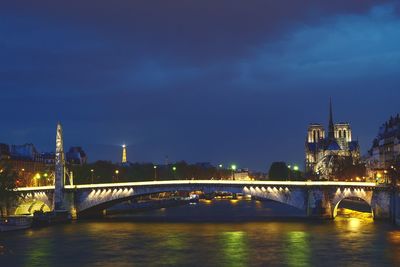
pixel 297 248
pixel 234 245
pixel 394 237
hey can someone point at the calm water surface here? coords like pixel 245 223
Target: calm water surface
pixel 342 242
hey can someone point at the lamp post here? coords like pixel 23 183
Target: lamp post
pixel 92 173
pixel 174 171
pixel 219 171
pixel 233 168
pixel 116 175
pixel 37 178
pixel 155 172
pixel 295 168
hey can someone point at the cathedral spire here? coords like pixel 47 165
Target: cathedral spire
pixel 331 130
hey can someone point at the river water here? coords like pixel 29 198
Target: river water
pixel 221 234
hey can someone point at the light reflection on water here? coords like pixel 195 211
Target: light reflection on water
pixel 234 247
pixel 354 241
pixel 298 249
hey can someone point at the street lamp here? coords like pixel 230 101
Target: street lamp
pixel 92 173
pixel 37 178
pixel 174 171
pixel 233 168
pixel 155 172
pixel 116 175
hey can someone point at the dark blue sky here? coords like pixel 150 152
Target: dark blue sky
pixel 219 81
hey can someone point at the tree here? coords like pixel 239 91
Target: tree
pixel 8 194
pixel 278 171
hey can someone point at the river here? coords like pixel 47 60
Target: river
pixel 207 234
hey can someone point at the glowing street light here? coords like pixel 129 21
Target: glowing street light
pixel 37 178
pixel 155 172
pixel 116 174
pixel 233 168
pixel 92 172
pixel 295 168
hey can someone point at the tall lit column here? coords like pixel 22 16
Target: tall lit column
pixel 60 171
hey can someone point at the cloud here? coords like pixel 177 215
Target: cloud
pixel 198 80
pixel 342 48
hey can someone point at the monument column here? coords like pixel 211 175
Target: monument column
pixel 60 171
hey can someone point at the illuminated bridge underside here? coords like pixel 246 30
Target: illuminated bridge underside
pixel 317 199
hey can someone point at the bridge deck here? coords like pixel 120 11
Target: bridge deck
pixel 206 182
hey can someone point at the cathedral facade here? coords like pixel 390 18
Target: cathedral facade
pixel 327 154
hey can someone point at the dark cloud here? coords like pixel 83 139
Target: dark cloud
pixel 197 80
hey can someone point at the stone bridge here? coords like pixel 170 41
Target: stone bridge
pixel 316 199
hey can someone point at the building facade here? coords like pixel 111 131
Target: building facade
pixel 385 151
pixel 326 154
pixel 32 167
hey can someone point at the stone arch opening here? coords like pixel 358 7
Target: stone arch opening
pixel 356 204
pixel 99 208
pixel 31 206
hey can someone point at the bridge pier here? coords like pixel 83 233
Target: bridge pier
pixel 319 204
pixel 381 205
pixel 395 204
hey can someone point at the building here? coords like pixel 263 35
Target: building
pixel 34 168
pixel 25 152
pixel 241 175
pixel 326 154
pixel 385 150
pixel 76 156
pixel 4 152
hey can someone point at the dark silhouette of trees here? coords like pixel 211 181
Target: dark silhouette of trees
pixel 105 172
pixel 8 194
pixel 278 171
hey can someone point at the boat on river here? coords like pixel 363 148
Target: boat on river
pixel 41 218
pixel 12 223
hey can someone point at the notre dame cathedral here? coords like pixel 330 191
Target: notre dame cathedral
pixel 327 155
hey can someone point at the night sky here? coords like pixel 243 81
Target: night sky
pixel 201 81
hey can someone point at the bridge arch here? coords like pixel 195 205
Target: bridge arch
pixel 351 193
pixel 335 209
pixel 30 207
pixel 96 200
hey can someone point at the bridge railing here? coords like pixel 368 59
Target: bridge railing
pixel 208 182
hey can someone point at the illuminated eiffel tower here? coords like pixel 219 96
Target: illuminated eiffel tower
pixel 124 157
